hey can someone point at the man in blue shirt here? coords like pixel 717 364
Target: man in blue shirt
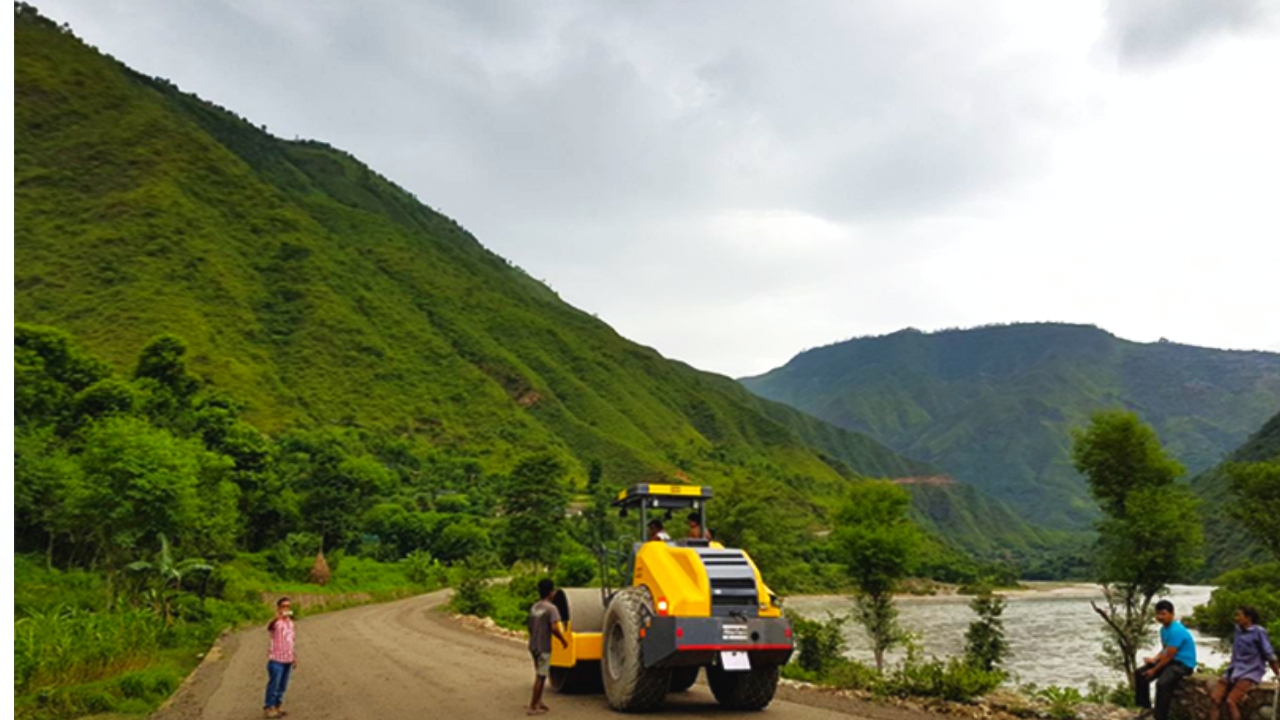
pixel 1175 661
pixel 1251 652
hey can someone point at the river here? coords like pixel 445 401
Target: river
pixel 1054 636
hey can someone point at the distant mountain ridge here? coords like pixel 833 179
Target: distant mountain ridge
pixel 994 406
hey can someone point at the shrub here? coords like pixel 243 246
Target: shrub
pixel 471 597
pixel 422 569
pixel 1062 701
pixel 956 679
pixel 576 570
pixel 985 645
pixel 854 675
pixel 820 645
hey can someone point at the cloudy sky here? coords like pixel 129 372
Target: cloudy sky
pixel 732 182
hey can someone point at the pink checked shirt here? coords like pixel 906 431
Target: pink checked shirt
pixel 282 641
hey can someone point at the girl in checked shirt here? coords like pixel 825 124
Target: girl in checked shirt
pixel 280 658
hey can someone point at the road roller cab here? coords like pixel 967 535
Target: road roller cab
pixel 690 604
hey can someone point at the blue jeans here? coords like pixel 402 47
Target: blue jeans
pixel 277 682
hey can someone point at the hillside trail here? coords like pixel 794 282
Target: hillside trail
pixel 404 659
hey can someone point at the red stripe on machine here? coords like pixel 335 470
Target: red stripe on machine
pixel 734 647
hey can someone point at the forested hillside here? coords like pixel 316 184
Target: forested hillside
pixel 994 406
pixel 320 294
pixel 1229 544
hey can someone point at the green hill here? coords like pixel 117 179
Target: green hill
pixel 994 406
pixel 1227 543
pixel 321 293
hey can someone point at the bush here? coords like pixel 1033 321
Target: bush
pixel 1062 701
pixel 955 679
pixel 1102 694
pixel 292 558
pixel 820 645
pixel 1257 586
pixel 422 569
pixel 576 570
pixel 985 645
pixel 854 675
pixel 471 596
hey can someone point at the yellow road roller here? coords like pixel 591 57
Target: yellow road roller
pixel 691 604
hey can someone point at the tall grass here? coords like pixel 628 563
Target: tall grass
pixel 66 646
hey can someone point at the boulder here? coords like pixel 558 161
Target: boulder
pixel 1191 701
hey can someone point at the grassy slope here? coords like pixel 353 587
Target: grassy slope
pixel 321 293
pixel 994 406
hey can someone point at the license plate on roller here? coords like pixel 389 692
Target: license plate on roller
pixel 735 660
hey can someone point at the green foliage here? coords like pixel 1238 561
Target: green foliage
pixel 1119 695
pixel 876 540
pixel 422 569
pixel 576 570
pixel 162 577
pixel 984 642
pixel 820 645
pixel 1151 534
pixel 533 508
pixel 1119 454
pixel 140 482
pixel 1257 587
pixel 1062 701
pixel 955 680
pixel 876 536
pixel 1230 543
pixel 471 593
pixel 1255 488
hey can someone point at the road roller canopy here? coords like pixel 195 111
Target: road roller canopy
pixel 663 497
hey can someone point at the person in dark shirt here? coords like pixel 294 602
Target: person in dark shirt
pixel 658 533
pixel 1175 661
pixel 544 623
pixel 1251 652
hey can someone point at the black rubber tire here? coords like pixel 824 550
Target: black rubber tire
pixel 627 684
pixel 683 678
pixel 749 690
pixel 581 679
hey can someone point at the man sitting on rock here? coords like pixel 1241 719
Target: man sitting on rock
pixel 1250 653
pixel 1176 660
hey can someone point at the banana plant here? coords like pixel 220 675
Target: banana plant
pixel 166 576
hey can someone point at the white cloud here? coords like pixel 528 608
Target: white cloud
pixel 732 182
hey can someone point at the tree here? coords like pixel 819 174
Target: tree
pixel 762 517
pixel 167 387
pixel 877 539
pixel 534 503
pixel 1150 534
pixel 984 642
pixel 337 486
pixel 1255 489
pixel 139 483
pixel 49 369
pixel 1119 453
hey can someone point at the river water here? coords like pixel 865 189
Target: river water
pixel 1054 636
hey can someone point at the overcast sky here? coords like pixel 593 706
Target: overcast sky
pixel 732 182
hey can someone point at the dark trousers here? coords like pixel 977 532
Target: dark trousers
pixel 1166 682
pixel 277 682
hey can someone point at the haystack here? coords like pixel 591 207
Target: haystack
pixel 320 570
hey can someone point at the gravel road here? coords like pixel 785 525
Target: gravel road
pixel 405 660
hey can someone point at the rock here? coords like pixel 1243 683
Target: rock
pixel 1191 701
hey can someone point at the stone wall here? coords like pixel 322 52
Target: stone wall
pixel 1191 702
